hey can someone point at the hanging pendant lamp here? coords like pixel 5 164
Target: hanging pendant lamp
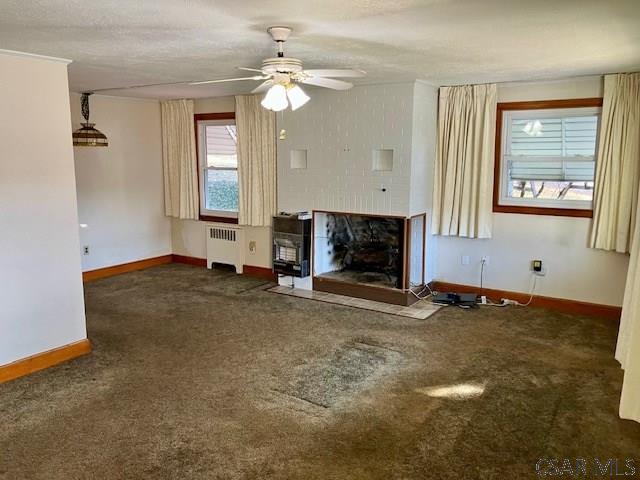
pixel 87 135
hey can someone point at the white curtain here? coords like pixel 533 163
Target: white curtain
pixel 462 193
pixel 628 349
pixel 179 160
pixel 619 158
pixel 617 164
pixel 256 161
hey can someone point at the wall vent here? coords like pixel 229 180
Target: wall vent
pixel 222 234
pixel 225 244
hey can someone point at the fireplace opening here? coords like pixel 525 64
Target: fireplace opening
pixel 361 249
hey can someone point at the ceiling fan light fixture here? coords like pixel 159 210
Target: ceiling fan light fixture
pixel 276 98
pixel 284 71
pixel 296 96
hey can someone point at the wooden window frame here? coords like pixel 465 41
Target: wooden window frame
pixel 198 117
pixel 534 105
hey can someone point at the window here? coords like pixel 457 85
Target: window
pixel 545 157
pixel 218 166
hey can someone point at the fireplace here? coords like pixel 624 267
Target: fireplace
pixel 369 256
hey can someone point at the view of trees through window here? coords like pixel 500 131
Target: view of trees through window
pixel 551 190
pixel 221 169
pixel 222 190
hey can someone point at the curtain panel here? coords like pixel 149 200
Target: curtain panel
pixel 628 348
pixel 256 161
pixel 179 160
pixel 615 224
pixel 617 164
pixel 463 183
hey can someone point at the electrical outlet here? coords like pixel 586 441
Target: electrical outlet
pixel 485 259
pixel 85 250
pixel 252 247
pixel 538 268
pixel 464 260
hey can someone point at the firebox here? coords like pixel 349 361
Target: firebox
pixel 365 249
pixel 380 257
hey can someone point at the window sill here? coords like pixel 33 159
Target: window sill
pixel 556 212
pixel 212 218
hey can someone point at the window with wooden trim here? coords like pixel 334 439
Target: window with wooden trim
pixel 545 157
pixel 218 166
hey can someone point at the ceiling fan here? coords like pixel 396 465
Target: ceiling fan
pixel 281 75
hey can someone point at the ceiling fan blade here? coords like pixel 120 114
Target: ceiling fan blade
pixel 337 73
pixel 328 83
pixel 256 77
pixel 263 87
pixel 249 69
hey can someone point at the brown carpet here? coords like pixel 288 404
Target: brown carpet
pixel 200 374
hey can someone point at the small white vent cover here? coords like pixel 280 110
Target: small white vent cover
pixel 222 234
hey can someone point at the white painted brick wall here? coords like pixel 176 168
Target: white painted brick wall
pixel 339 130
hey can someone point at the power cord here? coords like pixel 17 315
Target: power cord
pixel 489 303
pixel 505 301
pixel 420 295
pixel 533 288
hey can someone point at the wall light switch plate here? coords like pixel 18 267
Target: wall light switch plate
pixel 252 247
pixel 464 260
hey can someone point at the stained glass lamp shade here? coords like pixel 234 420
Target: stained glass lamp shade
pixel 88 135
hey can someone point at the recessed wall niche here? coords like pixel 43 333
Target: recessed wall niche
pixel 298 159
pixel 382 160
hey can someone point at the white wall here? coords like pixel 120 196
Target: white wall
pixel 189 236
pixel 215 105
pixel 41 296
pixel 339 130
pixel 574 271
pixel 423 147
pixel 120 187
pixel 423 157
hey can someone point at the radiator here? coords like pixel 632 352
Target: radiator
pixel 225 245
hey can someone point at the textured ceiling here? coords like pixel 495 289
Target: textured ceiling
pixel 116 43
